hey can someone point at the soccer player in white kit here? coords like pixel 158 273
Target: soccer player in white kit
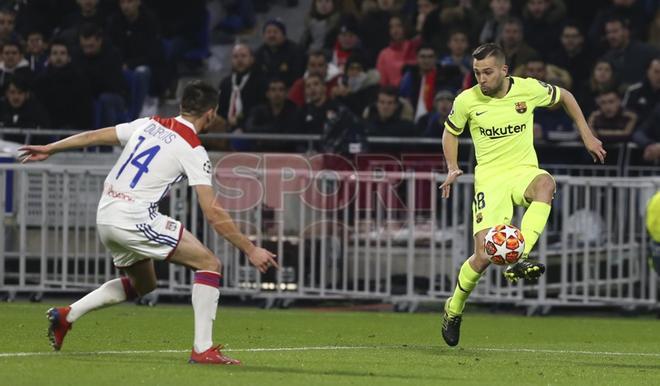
pixel 158 152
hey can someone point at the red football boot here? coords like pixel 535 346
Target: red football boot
pixel 58 326
pixel 212 356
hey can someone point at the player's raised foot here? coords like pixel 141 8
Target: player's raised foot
pixel 524 269
pixel 451 326
pixel 58 326
pixel 212 356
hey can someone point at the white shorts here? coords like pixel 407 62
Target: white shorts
pixel 128 245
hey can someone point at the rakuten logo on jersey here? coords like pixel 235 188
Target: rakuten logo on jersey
pixel 500 132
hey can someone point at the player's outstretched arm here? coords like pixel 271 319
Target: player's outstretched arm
pixel 223 224
pixel 450 150
pixel 593 144
pixel 105 136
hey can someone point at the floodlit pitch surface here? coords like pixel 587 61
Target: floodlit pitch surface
pixel 127 345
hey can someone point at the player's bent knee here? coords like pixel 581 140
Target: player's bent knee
pixel 211 263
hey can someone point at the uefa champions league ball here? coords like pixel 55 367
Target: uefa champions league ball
pixel 504 244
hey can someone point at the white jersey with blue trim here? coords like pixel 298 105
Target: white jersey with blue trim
pixel 158 152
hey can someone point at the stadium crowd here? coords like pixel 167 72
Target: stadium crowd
pixel 361 67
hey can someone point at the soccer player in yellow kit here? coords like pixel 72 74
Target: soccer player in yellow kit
pixel 499 112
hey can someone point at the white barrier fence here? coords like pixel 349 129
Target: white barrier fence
pixel 377 235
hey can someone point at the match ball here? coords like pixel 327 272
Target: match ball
pixel 504 244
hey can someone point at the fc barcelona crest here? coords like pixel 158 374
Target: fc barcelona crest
pixel 521 107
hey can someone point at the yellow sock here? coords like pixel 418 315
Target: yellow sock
pixel 533 223
pixel 467 280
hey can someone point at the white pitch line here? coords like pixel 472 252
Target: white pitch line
pixel 263 349
pixel 577 352
pixel 331 348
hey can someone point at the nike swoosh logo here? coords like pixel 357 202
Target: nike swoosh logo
pixel 479 113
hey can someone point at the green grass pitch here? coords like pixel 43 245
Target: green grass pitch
pixel 127 345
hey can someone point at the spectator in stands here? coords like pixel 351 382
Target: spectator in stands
pixel 399 53
pixel 341 131
pixel 629 57
pixel 642 97
pixel 317 63
pixel 358 86
pixel 611 121
pixel 314 113
pixel 389 116
pixel 7 25
pixel 513 43
pixel 278 56
pixel 241 90
pixel 64 91
pixel 647 136
pixel 323 17
pixel 346 43
pixel 13 63
pixel 630 10
pixel 278 115
pixel 541 20
pixel 420 83
pixel 573 54
pixel 500 11
pixel 376 26
pixel 20 110
pixel 134 32
pixel 537 68
pixel 449 17
pixel 88 12
pixel 342 134
pixel 602 78
pixel 458 56
pixel 432 125
pixel 101 65
pixel 36 51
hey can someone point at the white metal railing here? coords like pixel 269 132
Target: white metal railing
pixel 368 234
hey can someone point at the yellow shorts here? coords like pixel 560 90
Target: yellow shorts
pixel 497 191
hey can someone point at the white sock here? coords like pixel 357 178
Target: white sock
pixel 205 296
pixel 111 292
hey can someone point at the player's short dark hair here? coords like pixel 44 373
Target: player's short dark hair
pixel 489 49
pixel 88 30
pixel 198 98
pixel 389 91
